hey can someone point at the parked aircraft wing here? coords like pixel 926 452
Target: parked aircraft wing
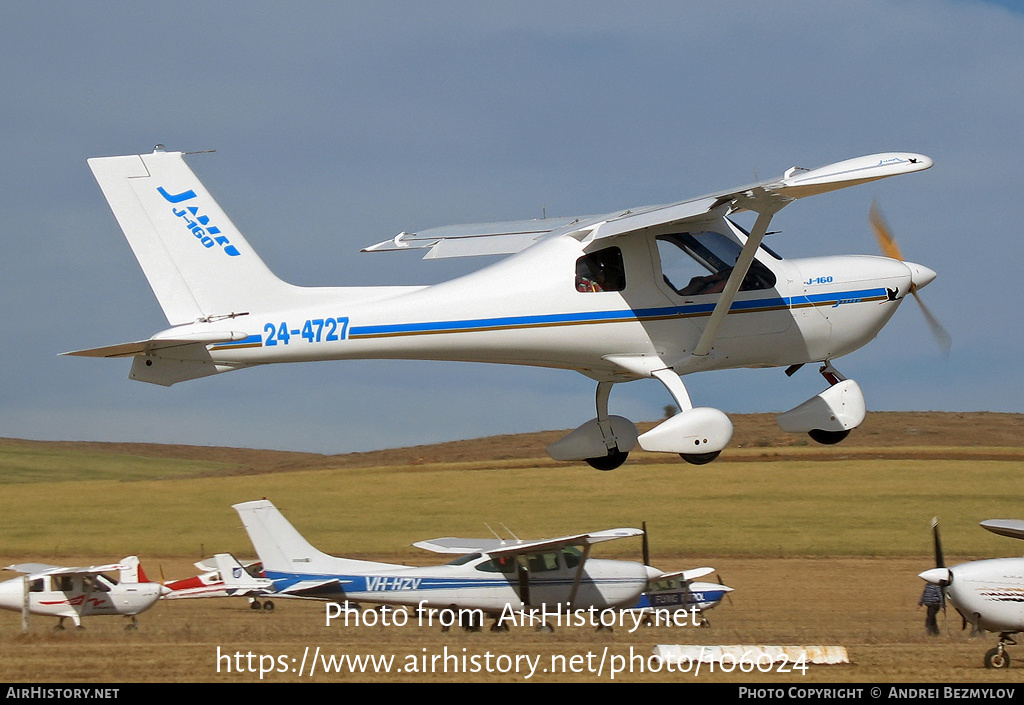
pixel 40 569
pixel 1014 528
pixel 691 574
pixel 498 547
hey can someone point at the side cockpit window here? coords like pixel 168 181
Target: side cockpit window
pixel 601 271
pixel 696 264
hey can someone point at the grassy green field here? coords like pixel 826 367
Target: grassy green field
pixel 96 505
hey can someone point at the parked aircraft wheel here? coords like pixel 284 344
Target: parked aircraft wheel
pixel 545 628
pixel 997 658
pixel 268 606
pixel 827 438
pixel 609 462
pixel 699 458
pixel 255 605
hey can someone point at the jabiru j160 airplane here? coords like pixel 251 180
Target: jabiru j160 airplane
pixel 652 292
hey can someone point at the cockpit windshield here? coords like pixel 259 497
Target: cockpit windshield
pixel 700 263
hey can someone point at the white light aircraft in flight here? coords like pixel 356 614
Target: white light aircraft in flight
pixel 648 292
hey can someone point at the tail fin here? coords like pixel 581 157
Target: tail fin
pixel 195 259
pixel 235 576
pixel 231 571
pixel 282 549
pixel 131 571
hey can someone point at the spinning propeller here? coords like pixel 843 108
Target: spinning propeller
pixel 921 275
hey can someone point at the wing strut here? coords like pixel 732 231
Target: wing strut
pixel 579 574
pixel 766 204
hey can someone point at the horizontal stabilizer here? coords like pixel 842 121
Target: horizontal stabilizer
pixel 148 347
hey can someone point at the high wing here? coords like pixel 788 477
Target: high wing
pixel 472 240
pixel 41 569
pixel 763 197
pixel 1014 528
pixel 687 575
pixel 498 548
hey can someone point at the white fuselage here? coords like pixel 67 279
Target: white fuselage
pixel 526 310
pixel 477 585
pixel 67 596
pixel 990 593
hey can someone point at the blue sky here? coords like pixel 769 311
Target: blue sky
pixel 338 125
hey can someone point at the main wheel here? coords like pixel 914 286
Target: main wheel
pixel 700 458
pixel 997 658
pixel 609 462
pixel 255 605
pixel 268 606
pixel 828 438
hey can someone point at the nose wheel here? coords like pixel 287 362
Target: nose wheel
pixel 998 657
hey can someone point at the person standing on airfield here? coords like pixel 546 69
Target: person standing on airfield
pixel 933 599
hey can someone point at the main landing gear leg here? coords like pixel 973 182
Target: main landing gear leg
pixel 698 435
pixel 615 457
pixel 828 438
pixel 830 416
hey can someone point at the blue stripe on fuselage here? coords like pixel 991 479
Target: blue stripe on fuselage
pixel 592 317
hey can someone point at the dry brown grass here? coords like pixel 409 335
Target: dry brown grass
pixel 864 604
pixel 867 604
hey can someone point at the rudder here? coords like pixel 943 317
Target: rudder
pixel 197 262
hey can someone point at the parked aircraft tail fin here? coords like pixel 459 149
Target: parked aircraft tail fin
pixel 279 545
pixel 282 549
pixel 131 571
pixel 195 259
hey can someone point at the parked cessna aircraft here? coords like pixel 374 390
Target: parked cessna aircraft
pixel 652 292
pixel 62 592
pixel 553 574
pixel 988 594
pixel 225 576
